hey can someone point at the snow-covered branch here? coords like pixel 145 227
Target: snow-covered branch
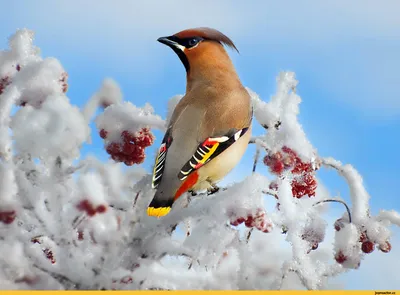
pixel 68 222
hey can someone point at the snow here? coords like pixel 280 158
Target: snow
pixel 283 109
pixel 56 129
pixel 108 94
pixel 126 116
pixel 55 244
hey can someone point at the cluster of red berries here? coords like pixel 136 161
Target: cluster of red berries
pixel 131 149
pixel 7 217
pixel 46 251
pixel 258 220
pixel 367 246
pixel 304 181
pixel 90 210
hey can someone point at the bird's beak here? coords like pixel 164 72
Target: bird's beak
pixel 171 41
pixel 166 40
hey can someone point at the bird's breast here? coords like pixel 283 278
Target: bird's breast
pixel 221 165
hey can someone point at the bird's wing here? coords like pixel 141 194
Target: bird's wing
pixel 209 149
pixel 160 159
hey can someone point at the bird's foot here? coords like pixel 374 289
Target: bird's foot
pixel 193 193
pixel 212 190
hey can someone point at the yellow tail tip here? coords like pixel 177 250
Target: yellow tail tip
pixel 158 212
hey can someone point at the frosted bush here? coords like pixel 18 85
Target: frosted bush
pixel 73 223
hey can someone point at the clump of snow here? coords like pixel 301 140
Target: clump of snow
pixel 55 129
pixel 8 187
pixel 358 193
pixel 91 188
pixel 108 94
pixel 126 116
pixel 279 116
pixel 39 80
pixel 347 243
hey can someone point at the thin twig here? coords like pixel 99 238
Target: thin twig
pixel 249 235
pixel 60 278
pixel 270 192
pixel 336 201
pixel 136 198
pixel 256 157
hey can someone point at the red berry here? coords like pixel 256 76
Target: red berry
pixel 277 167
pixel 148 138
pixel 86 206
pixel 367 247
pixel 117 157
pixel 83 205
pixel 238 221
pixel 80 235
pixel 273 186
pixel 63 81
pixel 49 255
pixel 289 151
pixel 288 161
pixel 18 67
pixel 90 211
pixel 35 240
pixel 340 258
pixel 103 133
pixel 105 104
pixel 7 217
pixel 4 82
pixel 249 221
pixel 290 158
pixel 114 148
pixel 385 247
pixel 339 224
pixel 101 209
pixel 363 237
pixel 127 136
pixel 126 280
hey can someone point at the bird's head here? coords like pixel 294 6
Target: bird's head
pixel 193 44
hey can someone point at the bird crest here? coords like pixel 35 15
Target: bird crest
pixel 207 34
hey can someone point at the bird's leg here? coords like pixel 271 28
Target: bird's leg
pixel 213 188
pixel 193 193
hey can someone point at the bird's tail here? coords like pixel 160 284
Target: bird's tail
pixel 159 207
pixel 162 203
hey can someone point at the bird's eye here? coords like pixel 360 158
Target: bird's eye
pixel 192 42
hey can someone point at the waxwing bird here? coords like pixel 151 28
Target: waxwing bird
pixel 210 127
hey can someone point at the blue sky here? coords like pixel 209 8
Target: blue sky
pixel 345 55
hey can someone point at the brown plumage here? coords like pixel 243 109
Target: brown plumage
pixel 208 34
pixel 210 127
